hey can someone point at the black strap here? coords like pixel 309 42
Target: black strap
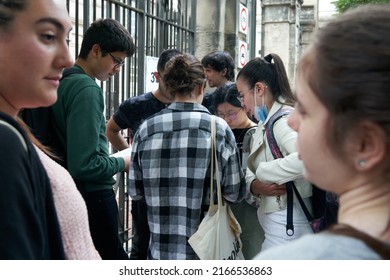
pixel 309 216
pixel 290 202
pixel 290 186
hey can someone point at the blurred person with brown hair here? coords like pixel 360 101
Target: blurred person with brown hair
pixel 342 118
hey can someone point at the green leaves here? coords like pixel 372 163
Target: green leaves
pixel 343 5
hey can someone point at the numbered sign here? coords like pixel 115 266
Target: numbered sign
pixel 151 83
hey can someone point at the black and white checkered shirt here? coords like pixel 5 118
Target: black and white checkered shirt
pixel 170 166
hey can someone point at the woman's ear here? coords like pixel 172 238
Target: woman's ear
pixel 370 146
pixel 260 89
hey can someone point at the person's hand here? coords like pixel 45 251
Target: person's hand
pixel 260 188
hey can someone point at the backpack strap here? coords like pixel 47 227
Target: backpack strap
pixel 290 186
pixel 381 248
pixel 269 130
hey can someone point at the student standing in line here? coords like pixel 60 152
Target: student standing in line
pixel 131 113
pixel 170 162
pixel 342 117
pixel 80 125
pixel 219 70
pixel 264 90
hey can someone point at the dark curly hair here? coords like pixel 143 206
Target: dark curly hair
pixel 219 60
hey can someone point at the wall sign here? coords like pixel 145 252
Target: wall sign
pixel 151 83
pixel 242 53
pixel 243 25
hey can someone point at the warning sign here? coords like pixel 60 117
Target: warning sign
pixel 243 19
pixel 243 54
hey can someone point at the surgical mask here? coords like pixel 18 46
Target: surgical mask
pixel 261 113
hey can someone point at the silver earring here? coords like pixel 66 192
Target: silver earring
pixel 361 162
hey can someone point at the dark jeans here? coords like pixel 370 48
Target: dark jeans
pixel 140 241
pixel 103 223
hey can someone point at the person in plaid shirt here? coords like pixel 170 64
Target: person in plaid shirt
pixel 170 162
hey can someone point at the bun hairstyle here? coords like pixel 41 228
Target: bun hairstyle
pixel 182 74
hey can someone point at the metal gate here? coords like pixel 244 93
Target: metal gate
pixel 155 25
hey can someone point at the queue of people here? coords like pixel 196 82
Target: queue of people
pixel 335 134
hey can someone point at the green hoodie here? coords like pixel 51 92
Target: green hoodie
pixel 80 124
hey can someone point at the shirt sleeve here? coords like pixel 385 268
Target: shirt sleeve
pixel 135 187
pixel 233 179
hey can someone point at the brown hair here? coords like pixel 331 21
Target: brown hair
pixel 36 142
pixel 182 74
pixel 8 9
pixel 348 69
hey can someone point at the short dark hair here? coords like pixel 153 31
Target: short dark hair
pixel 219 60
pixel 110 35
pixel 227 93
pixel 164 57
pixel 8 10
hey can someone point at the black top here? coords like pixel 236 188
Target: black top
pixel 133 111
pixel 29 227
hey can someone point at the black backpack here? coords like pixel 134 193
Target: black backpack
pixel 325 204
pixel 39 122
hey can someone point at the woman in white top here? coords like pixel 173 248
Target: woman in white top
pixel 264 90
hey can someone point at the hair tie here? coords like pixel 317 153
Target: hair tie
pixel 268 58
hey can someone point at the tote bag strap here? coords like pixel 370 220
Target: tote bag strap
pixel 18 134
pixel 214 162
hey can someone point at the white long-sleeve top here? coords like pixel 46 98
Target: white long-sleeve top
pixel 263 166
